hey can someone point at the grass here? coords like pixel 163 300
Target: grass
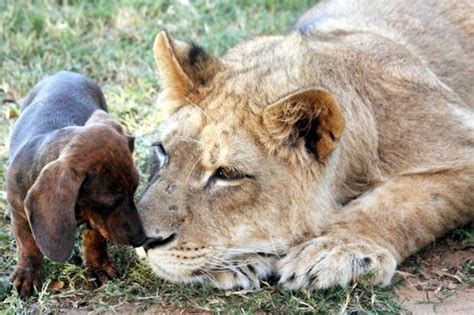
pixel 111 42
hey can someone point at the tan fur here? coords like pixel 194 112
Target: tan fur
pixel 390 80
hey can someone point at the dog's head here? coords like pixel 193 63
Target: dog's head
pixel 93 179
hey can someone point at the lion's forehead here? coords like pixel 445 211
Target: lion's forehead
pixel 187 122
pixel 217 139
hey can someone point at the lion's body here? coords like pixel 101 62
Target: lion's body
pixel 355 133
pixel 438 33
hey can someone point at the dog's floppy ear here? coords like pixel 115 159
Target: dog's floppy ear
pixel 50 206
pixel 311 117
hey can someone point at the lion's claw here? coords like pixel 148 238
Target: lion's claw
pixel 325 261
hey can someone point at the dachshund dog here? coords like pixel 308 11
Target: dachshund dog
pixel 69 163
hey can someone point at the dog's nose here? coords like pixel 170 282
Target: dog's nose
pixel 139 240
pixel 153 242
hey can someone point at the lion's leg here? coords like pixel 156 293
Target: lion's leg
pixel 380 229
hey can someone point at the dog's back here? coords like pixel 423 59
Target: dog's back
pixel 61 100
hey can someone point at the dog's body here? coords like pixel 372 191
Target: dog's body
pixel 70 163
pixel 70 100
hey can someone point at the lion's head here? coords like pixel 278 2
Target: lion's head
pixel 239 172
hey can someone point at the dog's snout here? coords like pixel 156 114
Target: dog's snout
pixel 153 242
pixel 139 240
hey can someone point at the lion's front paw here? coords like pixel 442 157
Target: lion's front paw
pixel 246 275
pixel 328 261
pixel 242 278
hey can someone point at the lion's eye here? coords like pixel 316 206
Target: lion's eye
pixel 226 176
pixel 160 154
pixel 158 158
pixel 225 173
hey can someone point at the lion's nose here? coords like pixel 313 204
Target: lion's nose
pixel 153 242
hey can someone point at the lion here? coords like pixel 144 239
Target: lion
pixel 321 156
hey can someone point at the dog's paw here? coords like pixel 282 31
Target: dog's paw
pixel 103 273
pixel 25 280
pixel 329 261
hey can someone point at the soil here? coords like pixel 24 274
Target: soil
pixel 436 280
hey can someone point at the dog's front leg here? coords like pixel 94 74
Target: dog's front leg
pixel 380 229
pixel 29 267
pixel 96 259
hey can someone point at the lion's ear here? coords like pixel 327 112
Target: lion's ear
pixel 311 117
pixel 182 67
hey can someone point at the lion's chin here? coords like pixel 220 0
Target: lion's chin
pixel 172 271
pixel 176 277
pixel 244 276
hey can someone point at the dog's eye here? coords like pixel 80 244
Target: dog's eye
pixel 105 209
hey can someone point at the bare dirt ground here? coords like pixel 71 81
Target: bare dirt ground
pixel 435 281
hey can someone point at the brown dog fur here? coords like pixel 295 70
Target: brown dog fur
pixel 80 175
pixel 321 155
